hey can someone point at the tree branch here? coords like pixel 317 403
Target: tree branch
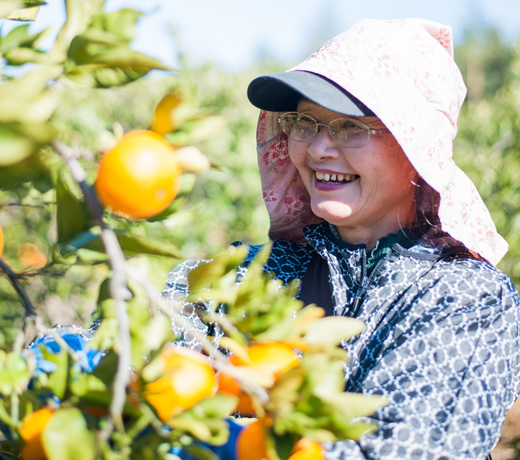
pixel 13 279
pixel 118 287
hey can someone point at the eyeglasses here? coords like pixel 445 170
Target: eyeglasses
pixel 347 132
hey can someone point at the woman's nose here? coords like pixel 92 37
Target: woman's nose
pixel 322 146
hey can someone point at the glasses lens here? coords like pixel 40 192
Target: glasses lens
pixel 299 127
pixel 348 132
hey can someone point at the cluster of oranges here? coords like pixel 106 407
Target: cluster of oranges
pixel 189 377
pixel 138 178
pixel 186 378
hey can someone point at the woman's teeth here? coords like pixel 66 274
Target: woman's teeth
pixel 323 177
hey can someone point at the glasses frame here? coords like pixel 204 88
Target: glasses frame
pixel 368 129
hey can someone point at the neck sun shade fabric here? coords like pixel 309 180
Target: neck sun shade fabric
pixel 404 72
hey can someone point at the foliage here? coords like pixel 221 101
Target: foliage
pixel 486 148
pixel 69 104
pixel 97 387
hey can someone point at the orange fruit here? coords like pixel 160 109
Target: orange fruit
pixel 164 114
pixel 31 432
pixel 189 378
pixel 251 445
pixel 31 257
pixel 270 358
pixel 139 176
pixel 251 442
pixel 1 241
pixel 307 449
pixel 228 385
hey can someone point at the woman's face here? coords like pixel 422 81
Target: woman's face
pixel 376 195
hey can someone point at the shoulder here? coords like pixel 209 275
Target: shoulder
pixel 474 276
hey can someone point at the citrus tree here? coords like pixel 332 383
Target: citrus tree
pixel 487 148
pixel 117 388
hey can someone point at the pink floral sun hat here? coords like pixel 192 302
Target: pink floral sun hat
pixel 402 70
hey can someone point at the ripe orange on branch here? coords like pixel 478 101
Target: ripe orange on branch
pixel 31 257
pixel 252 445
pixel 271 359
pixel 164 114
pixel 251 442
pixel 139 176
pixel 188 378
pixel 31 433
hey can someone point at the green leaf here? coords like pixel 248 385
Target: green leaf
pixel 357 429
pixel 100 57
pixel 158 332
pixel 14 373
pixel 19 141
pixel 27 100
pixel 14 38
pixel 200 452
pixel 353 405
pixel 72 215
pixel 284 445
pixel 120 23
pixel 104 371
pixel 218 406
pixel 59 379
pixel 36 169
pixel 13 147
pixel 332 330
pixel 21 56
pixel 134 245
pixel 212 272
pixel 123 57
pixel 293 329
pixel 325 372
pixel 25 14
pixel 67 437
pixel 85 384
pixel 87 247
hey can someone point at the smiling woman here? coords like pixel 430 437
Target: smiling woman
pixel 378 198
pixel 370 212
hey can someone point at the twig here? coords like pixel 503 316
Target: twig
pixel 26 302
pixel 16 204
pixel 118 287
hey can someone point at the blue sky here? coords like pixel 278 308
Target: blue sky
pixel 234 32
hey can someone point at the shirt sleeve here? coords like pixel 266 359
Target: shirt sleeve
pixel 450 377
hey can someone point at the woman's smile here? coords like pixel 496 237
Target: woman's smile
pixel 336 179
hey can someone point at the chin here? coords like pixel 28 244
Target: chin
pixel 334 213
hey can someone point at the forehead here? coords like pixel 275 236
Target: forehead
pixel 322 114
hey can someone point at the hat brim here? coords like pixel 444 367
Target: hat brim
pixel 281 92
